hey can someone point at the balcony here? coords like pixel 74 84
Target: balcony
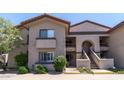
pixel 104 47
pixel 70 44
pixel 45 43
pixel 70 47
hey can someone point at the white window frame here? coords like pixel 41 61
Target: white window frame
pixel 47 30
pixel 46 61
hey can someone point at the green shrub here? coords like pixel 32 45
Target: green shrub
pixel 40 69
pixel 22 70
pixel 121 72
pixel 59 63
pixel 85 70
pixel 116 70
pixel 21 59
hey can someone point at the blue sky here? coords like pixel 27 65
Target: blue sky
pixel 109 19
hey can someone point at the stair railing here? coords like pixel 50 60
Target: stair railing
pixel 95 57
pixel 85 54
pixel 102 63
pixel 84 61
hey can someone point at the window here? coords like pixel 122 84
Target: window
pixel 46 33
pixel 46 56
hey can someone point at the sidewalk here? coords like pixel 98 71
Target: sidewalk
pixel 31 76
pixel 12 75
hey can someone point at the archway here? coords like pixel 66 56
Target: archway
pixel 86 45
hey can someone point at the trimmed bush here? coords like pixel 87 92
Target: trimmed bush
pixel 21 59
pixel 22 70
pixel 116 70
pixel 59 63
pixel 40 69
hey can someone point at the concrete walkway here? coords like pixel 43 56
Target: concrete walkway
pixel 71 70
pixel 102 71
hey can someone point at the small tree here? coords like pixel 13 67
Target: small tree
pixel 9 35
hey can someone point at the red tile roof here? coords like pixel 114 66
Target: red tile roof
pixel 40 17
pixel 117 26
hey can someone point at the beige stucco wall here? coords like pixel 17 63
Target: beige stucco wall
pixel 83 63
pixel 46 43
pixel 87 27
pixel 45 23
pixel 94 39
pixel 106 63
pixel 116 44
pixel 20 48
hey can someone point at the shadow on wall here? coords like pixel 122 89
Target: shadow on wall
pixel 87 45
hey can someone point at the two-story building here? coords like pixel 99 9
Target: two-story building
pixel 85 44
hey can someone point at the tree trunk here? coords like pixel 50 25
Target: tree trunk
pixel 4 60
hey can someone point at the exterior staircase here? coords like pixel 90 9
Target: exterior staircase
pixel 93 64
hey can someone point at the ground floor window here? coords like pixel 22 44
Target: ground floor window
pixel 46 57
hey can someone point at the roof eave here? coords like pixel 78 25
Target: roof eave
pixel 90 22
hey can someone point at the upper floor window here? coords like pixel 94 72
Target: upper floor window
pixel 46 33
